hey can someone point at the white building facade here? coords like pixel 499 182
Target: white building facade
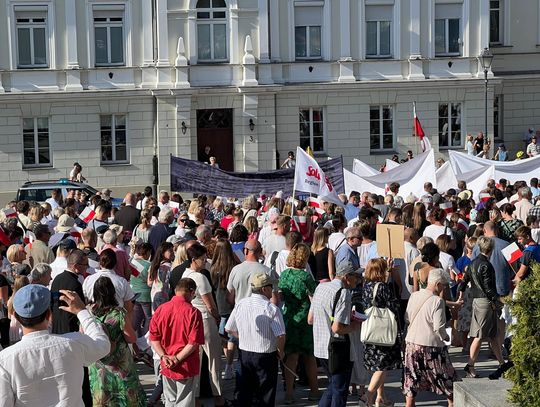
pixel 120 85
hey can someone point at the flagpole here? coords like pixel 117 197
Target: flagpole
pixel 414 127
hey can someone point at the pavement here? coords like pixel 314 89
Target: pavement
pixel 484 367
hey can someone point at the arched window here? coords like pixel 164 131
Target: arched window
pixel 212 30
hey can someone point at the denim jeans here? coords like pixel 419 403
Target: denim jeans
pixel 142 311
pixel 337 391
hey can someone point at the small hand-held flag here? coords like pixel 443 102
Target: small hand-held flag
pixel 512 253
pixel 10 212
pixel 136 267
pixel 87 215
pixel 419 131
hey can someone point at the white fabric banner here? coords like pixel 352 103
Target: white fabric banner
pixel 356 183
pixel 477 180
pixel 390 165
pixel 446 178
pixel 362 169
pixel 520 170
pixel 308 177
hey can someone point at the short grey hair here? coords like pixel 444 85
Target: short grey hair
pixel 424 240
pixel 165 214
pixel 203 231
pixel 57 212
pixel 110 237
pixel 437 276
pixel 354 231
pixel 525 192
pixel 485 244
pixel 39 271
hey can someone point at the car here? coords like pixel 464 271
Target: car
pixel 40 191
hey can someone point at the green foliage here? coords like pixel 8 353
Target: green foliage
pixel 526 342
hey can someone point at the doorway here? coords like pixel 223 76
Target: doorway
pixel 215 130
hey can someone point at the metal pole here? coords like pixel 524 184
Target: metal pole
pixel 486 105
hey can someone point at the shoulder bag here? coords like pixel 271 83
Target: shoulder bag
pixel 339 348
pixel 381 326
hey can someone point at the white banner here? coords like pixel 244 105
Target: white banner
pixel 520 170
pixel 308 177
pixel 390 165
pixel 446 178
pixel 362 169
pixel 356 183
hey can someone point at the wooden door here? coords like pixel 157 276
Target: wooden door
pixel 215 130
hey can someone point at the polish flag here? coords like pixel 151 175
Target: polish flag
pixel 76 231
pixel 136 268
pixel 10 212
pixel 512 253
pixel 484 196
pixel 446 206
pixel 87 215
pixel 316 205
pixel 4 238
pixel 419 131
pixel 502 202
pixel 29 237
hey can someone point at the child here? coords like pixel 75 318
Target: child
pixel 465 312
pixel 469 145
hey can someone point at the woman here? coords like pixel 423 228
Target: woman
pixel 421 242
pixel 5 293
pixel 508 225
pixel 368 244
pixel 465 312
pixel 213 162
pixel 252 226
pixel 486 304
pixel 142 306
pixel 204 302
pixel 438 227
pixel 228 217
pixel 321 260
pixel 113 379
pixel 238 238
pixel 501 154
pixel 193 206
pixel 142 230
pixel 379 359
pixel 16 256
pixel 448 264
pixel 216 213
pixel 429 260
pixel 76 173
pixel 35 215
pixel 223 261
pixel 297 288
pixel 15 328
pixel 152 205
pixel 427 363
pixel 158 276
pixel 419 220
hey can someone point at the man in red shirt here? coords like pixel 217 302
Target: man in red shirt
pixel 176 331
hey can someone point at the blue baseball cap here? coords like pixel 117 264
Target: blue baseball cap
pixel 31 301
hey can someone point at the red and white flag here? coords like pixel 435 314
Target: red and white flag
pixel 76 232
pixel 136 267
pixel 512 253
pixel 316 205
pixel 10 212
pixel 310 178
pixel 419 131
pixel 4 238
pixel 484 196
pixel 447 207
pixel 87 215
pixel 29 237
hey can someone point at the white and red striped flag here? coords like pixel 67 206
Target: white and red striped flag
pixel 87 215
pixel 484 196
pixel 512 253
pixel 447 207
pixel 76 232
pixel 316 205
pixel 419 131
pixel 10 212
pixel 29 237
pixel 136 267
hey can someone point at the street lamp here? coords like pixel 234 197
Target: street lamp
pixel 486 58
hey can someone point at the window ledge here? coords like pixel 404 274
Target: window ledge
pixel 383 152
pixel 501 46
pixel 376 57
pixel 37 167
pixel 112 164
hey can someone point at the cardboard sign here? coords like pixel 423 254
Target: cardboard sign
pixel 390 241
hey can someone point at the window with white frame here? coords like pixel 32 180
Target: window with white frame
pixel 497 118
pixel 32 37
pixel 113 139
pixel 448 29
pixel 381 127
pixel 450 125
pixel 109 35
pixel 212 30
pixel 379 31
pixel 308 31
pixel 312 129
pixel 495 21
pixel 36 143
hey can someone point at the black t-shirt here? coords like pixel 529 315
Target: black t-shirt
pixel 64 322
pixel 479 145
pixel 5 283
pixel 176 276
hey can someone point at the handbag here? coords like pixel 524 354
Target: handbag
pixel 339 348
pixel 381 326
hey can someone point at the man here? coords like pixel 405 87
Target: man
pixel 163 199
pixel 176 332
pixel 338 323
pixel 41 274
pixel 106 194
pixel 64 322
pixel 44 369
pixel 40 251
pixel 24 222
pixel 348 250
pixel 161 230
pixel 56 199
pixel 291 239
pixel 533 149
pixel 101 217
pixel 122 268
pixel 393 188
pixel 268 227
pixel 352 207
pixel 64 248
pixel 147 194
pixel 89 242
pixel 260 348
pixel 523 205
pixel 276 241
pixel 128 216
pixel 478 143
pixel 204 235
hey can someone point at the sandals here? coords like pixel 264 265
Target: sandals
pixel 470 372
pixel 496 375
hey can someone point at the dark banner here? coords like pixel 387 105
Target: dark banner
pixel 198 177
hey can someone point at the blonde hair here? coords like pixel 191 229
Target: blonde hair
pixel 180 256
pixel 298 257
pixel 36 213
pixel 13 252
pixel 320 238
pixel 376 270
pixel 193 207
pixel 251 224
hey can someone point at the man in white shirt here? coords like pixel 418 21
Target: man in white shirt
pixel 44 369
pixel 56 199
pixel 523 205
pixel 533 149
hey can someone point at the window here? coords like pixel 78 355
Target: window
pixel 497 117
pixel 113 139
pixel 450 125
pixel 212 30
pixel 36 148
pixel 308 32
pixel 32 38
pixel 447 29
pixel 378 31
pixel 312 129
pixel 109 37
pixel 495 21
pixel 381 127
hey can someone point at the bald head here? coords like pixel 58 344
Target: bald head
pixel 252 250
pixel 130 199
pixel 490 229
pixel 410 235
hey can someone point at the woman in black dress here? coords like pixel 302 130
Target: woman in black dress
pixel 321 260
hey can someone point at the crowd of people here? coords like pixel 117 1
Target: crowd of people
pixel 260 285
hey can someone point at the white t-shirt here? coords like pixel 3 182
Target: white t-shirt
pixel 335 239
pixel 122 288
pixel 203 287
pixel 240 276
pixel 434 231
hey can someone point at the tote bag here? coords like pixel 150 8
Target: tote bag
pixel 381 326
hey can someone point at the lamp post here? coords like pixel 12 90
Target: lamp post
pixel 486 58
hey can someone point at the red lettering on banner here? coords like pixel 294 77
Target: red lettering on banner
pixel 313 172
pixel 329 184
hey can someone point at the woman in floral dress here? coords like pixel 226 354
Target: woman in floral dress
pixel 113 379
